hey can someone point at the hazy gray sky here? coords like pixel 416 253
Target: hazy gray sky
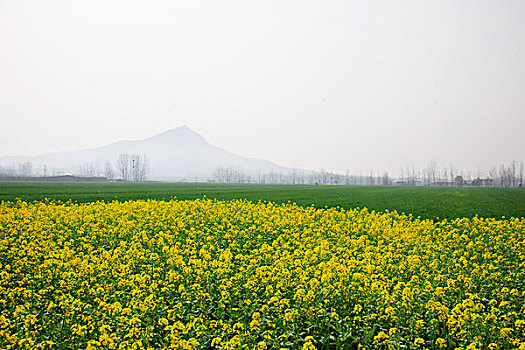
pixel 310 84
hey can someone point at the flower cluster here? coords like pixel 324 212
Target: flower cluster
pixel 240 275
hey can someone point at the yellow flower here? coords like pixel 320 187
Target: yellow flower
pixel 472 346
pixel 419 341
pixel 308 346
pixel 216 342
pixel 393 331
pixel 380 337
pixel 441 343
pixel 237 272
pixel 504 332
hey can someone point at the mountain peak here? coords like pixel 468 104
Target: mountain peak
pixel 183 135
pixel 183 128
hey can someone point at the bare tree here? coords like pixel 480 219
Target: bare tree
pixel 133 167
pixel 521 175
pixel 294 175
pixel 25 169
pixel 123 166
pixel 452 173
pixel 108 170
pixel 431 171
pixel 512 173
pixel 144 168
pixel 385 180
pixel 493 175
pixel 89 169
pixel 505 176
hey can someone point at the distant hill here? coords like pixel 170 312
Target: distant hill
pixel 173 155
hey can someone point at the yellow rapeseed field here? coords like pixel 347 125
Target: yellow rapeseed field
pixel 239 275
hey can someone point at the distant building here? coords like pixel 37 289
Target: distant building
pixel 407 183
pixel 443 184
pixel 483 182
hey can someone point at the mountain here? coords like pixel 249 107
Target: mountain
pixel 173 155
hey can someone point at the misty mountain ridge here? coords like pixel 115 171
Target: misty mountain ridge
pixel 175 154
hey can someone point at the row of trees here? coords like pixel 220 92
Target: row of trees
pixel 298 177
pixel 134 168
pixel 128 167
pixel 131 167
pixel 18 169
pixel 505 175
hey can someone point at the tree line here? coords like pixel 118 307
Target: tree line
pixel 128 168
pixel 298 177
pixel 135 168
pixel 504 175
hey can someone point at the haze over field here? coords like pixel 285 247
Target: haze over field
pixel 175 154
pixel 359 85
